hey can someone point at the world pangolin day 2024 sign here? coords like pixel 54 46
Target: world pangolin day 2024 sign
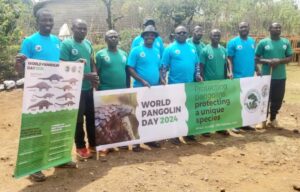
pixel 132 116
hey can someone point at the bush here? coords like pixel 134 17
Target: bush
pixel 7 63
pixel 126 37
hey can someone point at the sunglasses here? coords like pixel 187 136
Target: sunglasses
pixel 182 33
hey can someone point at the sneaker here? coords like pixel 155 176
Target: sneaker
pixel 274 124
pixel 248 128
pixel 71 165
pixel 262 125
pixel 37 177
pixel 83 153
pixel 175 141
pixel 153 144
pixel 191 138
pixel 224 132
pixel 236 130
pixel 206 134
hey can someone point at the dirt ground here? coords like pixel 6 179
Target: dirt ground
pixel 261 161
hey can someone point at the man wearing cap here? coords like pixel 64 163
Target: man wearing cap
pixel 274 53
pixel 144 64
pixel 195 40
pixel 158 42
pixel 181 59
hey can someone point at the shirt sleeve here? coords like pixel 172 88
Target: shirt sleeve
pixel 202 56
pixel 98 62
pixel 231 48
pixel 64 52
pixel 26 48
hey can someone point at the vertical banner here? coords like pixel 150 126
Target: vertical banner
pixel 132 116
pixel 50 106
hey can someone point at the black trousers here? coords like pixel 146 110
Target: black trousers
pixel 277 91
pixel 86 109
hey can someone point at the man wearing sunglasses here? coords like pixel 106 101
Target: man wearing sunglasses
pixel 144 64
pixel 181 59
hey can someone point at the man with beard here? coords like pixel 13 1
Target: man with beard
pixel 78 48
pixel 214 62
pixel 144 64
pixel 111 64
pixel 274 53
pixel 41 45
pixel 195 40
pixel 241 53
pixel 181 59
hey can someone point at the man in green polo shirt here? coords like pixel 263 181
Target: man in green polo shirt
pixel 214 62
pixel 274 53
pixel 111 64
pixel 195 40
pixel 77 48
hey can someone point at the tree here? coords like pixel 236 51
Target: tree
pixel 111 18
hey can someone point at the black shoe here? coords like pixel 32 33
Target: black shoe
pixel 136 148
pixel 248 128
pixel 153 144
pixel 175 141
pixel 206 134
pixel 71 165
pixel 190 138
pixel 37 177
pixel 223 132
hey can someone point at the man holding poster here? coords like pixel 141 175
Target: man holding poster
pixel 41 45
pixel 75 49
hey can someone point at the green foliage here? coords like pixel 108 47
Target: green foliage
pixel 126 37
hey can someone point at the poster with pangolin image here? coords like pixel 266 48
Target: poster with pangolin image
pixel 139 115
pixel 50 106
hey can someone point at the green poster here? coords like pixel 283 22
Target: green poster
pixel 213 106
pixel 50 106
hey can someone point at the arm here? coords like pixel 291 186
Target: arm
pixel 133 73
pixel 229 68
pixel 198 76
pixel 128 80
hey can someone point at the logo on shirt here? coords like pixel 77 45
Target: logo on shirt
pixel 38 48
pixel 106 58
pixel 210 57
pixel 239 47
pixel 142 54
pixel 74 52
pixel 177 51
pixel 124 59
pixel 267 47
pixel 284 47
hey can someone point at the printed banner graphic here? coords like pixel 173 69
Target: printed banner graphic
pixel 50 105
pixel 132 116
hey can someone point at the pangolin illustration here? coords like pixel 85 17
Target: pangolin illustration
pixel 110 127
pixel 66 96
pixel 65 88
pixel 41 105
pixel 41 86
pixel 46 96
pixel 72 81
pixel 69 103
pixel 53 77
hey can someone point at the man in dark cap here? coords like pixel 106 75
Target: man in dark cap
pixel 144 64
pixel 158 42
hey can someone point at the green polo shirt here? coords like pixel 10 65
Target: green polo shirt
pixel 269 49
pixel 111 69
pixel 72 51
pixel 214 61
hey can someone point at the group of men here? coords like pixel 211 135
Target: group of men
pixel 185 60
